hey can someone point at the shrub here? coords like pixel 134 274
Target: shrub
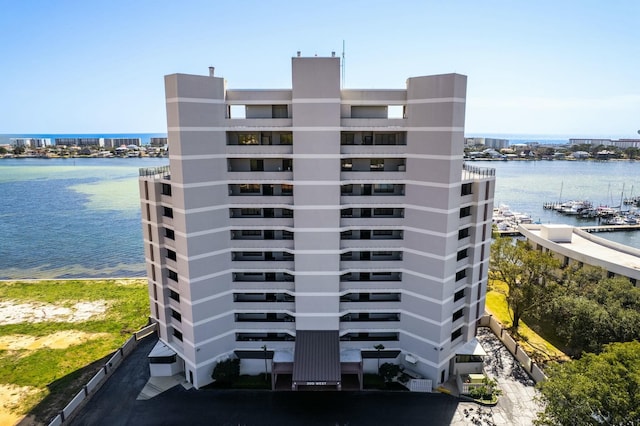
pixel 227 371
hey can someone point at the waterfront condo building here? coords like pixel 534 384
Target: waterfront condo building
pixel 307 232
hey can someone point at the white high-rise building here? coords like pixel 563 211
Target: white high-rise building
pixel 306 226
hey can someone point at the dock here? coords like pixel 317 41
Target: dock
pixel 590 229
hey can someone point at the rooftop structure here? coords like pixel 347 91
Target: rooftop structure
pixel 574 245
pixel 308 227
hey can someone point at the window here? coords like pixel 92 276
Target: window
pixel 251 233
pixel 257 165
pixel 346 189
pixel 457 315
pixel 346 213
pixel 383 188
pixel 171 254
pixel 166 189
pixel 465 211
pixel 287 189
pixel 248 139
pixel 466 189
pixel 287 213
pixel 348 138
pixel 385 139
pixel 347 165
pixel 456 334
pixel 250 212
pixel 463 233
pixel 279 111
pixel 461 274
pixel 459 295
pixel 383 233
pixel 462 254
pixel 286 139
pixel 175 314
pixel 250 188
pixel 167 212
pixel 173 275
pixel 177 334
pixel 383 212
pixel 174 295
pixel 376 164
pixel 169 233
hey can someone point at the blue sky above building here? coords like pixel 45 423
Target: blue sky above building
pixel 544 67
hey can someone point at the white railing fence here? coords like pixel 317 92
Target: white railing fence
pixel 101 376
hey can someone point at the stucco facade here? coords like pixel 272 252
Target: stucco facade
pixel 313 210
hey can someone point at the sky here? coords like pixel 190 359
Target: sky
pixel 545 67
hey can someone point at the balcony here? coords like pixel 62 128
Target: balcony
pixel 369 336
pixel 262 277
pixel 264 337
pixel 369 297
pixel 359 306
pixel 263 317
pixel 373 256
pixel 368 277
pixel 363 123
pixel 261 245
pixel 370 317
pixel 258 176
pixel 265 123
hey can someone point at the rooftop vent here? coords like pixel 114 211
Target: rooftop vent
pixel 212 71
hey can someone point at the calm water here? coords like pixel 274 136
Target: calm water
pixel 526 185
pixel 66 218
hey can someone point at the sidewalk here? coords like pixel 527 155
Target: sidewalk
pixel 517 405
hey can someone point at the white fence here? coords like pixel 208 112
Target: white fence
pixel 101 376
pixel 512 346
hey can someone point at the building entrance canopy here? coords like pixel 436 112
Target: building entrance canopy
pixel 316 360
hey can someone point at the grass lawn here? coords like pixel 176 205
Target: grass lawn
pixel 45 356
pixel 537 344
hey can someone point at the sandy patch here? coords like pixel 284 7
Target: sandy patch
pixel 16 313
pixel 59 340
pixel 10 398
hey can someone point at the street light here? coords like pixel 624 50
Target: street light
pixel 264 348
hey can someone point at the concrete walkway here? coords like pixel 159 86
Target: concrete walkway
pixel 517 405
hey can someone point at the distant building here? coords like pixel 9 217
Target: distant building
pixel 494 143
pixel 30 142
pixel 619 143
pixel 82 142
pixel 66 142
pixel 594 142
pixel 116 142
pixel 158 142
pixel 314 230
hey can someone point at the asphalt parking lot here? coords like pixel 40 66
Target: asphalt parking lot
pixel 116 402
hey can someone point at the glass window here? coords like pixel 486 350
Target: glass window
pixel 250 188
pixel 250 212
pixel 167 212
pixel 377 164
pixel 248 139
pixel 287 189
pixel 286 139
pixel 383 188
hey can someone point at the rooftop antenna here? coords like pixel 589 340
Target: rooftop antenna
pixel 343 68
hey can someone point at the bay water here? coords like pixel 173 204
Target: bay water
pixel 80 218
